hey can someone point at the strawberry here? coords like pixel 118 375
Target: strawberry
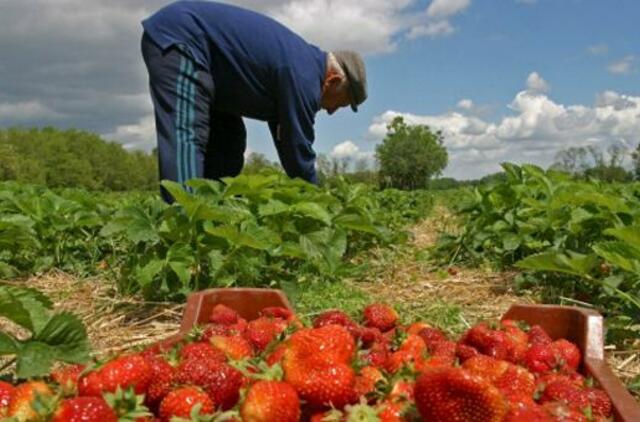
pixel 180 402
pixel 219 380
pixel 235 348
pixel 269 401
pixel 566 392
pixel 366 335
pixel 222 314
pixel 537 335
pixel 517 339
pixel 600 402
pixel 412 350
pixel 540 358
pixel 201 350
pixel 391 412
pixel 367 379
pixel 6 392
pixel 276 355
pixel 449 394
pixel 464 352
pixel 333 317
pixel 23 397
pixel 331 343
pixel 163 376
pixel 493 343
pixel 322 384
pixel 80 409
pixel 402 390
pixel 262 331
pixel 416 327
pixel 377 355
pixel 67 378
pixel 277 312
pixel 125 371
pixel 431 336
pixel 530 412
pixel 568 353
pixel 561 412
pixel 380 316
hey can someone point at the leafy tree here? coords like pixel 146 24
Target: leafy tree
pixel 257 162
pixel 410 156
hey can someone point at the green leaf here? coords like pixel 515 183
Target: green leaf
pixel 630 235
pixel 357 223
pixel 312 210
pixel 25 307
pixel 273 207
pixel 8 345
pixel 511 242
pixel 574 264
pixel 34 359
pixel 619 254
pixel 66 337
pixel 146 274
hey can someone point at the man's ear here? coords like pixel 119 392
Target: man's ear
pixel 333 80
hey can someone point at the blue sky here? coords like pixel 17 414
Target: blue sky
pixel 506 80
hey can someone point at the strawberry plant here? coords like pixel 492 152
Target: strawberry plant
pixel 577 239
pixel 53 336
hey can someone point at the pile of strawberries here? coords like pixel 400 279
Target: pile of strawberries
pixel 274 369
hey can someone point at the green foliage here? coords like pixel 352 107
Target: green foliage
pixel 260 230
pixel 73 158
pixel 54 336
pixel 581 239
pixel 410 156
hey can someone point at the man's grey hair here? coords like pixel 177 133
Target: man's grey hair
pixel 332 63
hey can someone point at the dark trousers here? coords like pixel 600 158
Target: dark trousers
pixel 194 140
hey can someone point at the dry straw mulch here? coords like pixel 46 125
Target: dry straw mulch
pixel 114 323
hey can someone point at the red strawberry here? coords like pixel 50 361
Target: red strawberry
pixel 333 317
pixel 22 398
pixel 367 379
pixel 432 336
pixel 331 343
pixel 412 350
pixel 600 402
pixel 493 343
pixel 366 335
pixel 276 356
pixel 323 385
pixel 568 353
pixel 223 386
pixel 541 358
pixel 377 355
pixel 380 316
pixel 180 402
pixel 402 390
pixel 464 352
pixel 537 335
pixel 262 331
pixel 201 350
pixel 80 409
pixel 124 372
pixel 67 377
pixel 529 412
pixel 277 312
pixel 565 392
pixel 517 338
pixel 270 401
pixel 222 314
pixel 562 412
pixel 163 376
pixel 6 392
pixel 450 394
pixel 235 348
pixel 416 327
pixel 391 412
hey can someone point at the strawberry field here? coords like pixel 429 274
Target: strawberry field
pixel 389 290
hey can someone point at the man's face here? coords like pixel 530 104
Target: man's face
pixel 335 94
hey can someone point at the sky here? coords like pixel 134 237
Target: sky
pixel 504 80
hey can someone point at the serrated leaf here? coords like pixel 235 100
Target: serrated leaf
pixel 146 274
pixel 273 207
pixel 8 345
pixel 312 210
pixel 66 336
pixel 34 359
pixel 619 254
pixel 576 264
pixel 356 222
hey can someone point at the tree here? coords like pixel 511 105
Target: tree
pixel 410 155
pixel 256 162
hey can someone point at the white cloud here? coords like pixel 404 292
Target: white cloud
pixel 26 110
pixel 140 135
pixel 598 49
pixel 535 83
pixel 465 104
pixel 349 150
pixel 537 129
pixel 622 66
pixel 440 9
pixel 431 30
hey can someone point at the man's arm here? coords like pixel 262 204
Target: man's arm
pixel 293 133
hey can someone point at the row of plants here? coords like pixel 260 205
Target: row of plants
pixel 252 230
pixel 579 240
